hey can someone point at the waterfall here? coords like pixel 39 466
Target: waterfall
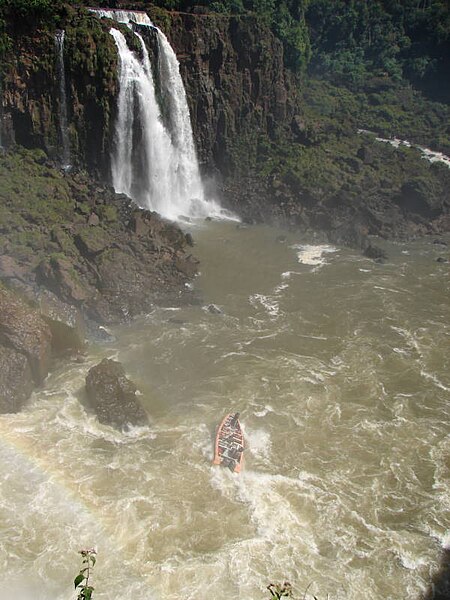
pixel 146 176
pixel 123 16
pixel 173 93
pixel 62 113
pixel 154 161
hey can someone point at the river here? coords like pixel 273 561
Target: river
pixel 340 369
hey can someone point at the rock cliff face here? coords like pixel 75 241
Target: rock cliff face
pixel 31 92
pixel 78 254
pixel 25 350
pixel 232 68
pixel 235 81
pixel 289 151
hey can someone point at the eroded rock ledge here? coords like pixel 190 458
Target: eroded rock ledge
pixel 76 253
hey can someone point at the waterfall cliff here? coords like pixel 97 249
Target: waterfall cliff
pixel 154 159
pixel 62 112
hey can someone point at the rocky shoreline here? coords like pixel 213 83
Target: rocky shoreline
pixel 73 255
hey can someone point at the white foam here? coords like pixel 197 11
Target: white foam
pixel 264 412
pixel 258 441
pixel 434 379
pixel 269 304
pixel 313 255
pixel 430 155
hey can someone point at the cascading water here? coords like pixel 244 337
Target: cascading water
pixel 154 161
pixel 151 182
pixel 173 93
pixel 62 113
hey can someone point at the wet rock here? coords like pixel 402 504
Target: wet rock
pixel 349 234
pixel 441 259
pixel 281 239
pixel 60 276
pixel 93 220
pixel 16 380
pixel 187 265
pixel 440 242
pixel 375 253
pixel 25 350
pixel 113 396
pixel 213 309
pixel 141 223
pixel 10 268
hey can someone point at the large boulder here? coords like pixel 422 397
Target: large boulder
pixel 113 396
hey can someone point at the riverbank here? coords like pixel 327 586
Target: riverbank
pixel 79 255
pixel 338 367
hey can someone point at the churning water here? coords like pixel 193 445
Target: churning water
pixel 339 368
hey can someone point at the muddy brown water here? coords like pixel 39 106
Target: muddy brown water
pixel 340 370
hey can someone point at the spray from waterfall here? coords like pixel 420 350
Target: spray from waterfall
pixel 154 161
pixel 62 112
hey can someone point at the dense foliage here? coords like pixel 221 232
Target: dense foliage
pixel 29 12
pixel 398 38
pixel 351 40
pixel 18 16
pixel 285 17
pixel 347 41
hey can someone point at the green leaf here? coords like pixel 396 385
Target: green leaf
pixel 78 579
pixel 93 560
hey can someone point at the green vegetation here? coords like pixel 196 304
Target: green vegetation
pixel 349 41
pixel 81 581
pixel 279 591
pixel 285 17
pixel 397 38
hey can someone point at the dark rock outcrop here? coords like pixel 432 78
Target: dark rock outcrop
pixel 235 81
pixel 31 91
pixel 106 269
pixel 113 396
pixel 25 350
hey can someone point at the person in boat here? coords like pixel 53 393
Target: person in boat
pixel 234 419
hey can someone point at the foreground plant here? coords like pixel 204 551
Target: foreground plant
pixel 284 590
pixel 279 590
pixel 81 581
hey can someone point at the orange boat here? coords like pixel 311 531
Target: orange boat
pixel 229 446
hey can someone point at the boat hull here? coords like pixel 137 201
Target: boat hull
pixel 229 444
